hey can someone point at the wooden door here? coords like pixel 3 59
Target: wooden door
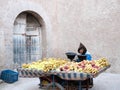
pixel 26 42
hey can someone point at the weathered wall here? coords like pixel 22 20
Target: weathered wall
pixel 95 23
pixel 10 10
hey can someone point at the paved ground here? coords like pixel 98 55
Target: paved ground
pixel 105 81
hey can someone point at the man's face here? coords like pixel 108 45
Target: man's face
pixel 81 51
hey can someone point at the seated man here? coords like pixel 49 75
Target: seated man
pixel 83 51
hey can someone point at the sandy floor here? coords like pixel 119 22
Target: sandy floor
pixel 104 81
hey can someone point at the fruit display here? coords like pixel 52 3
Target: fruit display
pixel 58 64
pixel 45 64
pixel 85 66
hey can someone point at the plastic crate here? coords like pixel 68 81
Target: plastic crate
pixel 9 76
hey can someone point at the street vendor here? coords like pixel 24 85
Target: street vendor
pixel 48 79
pixel 83 51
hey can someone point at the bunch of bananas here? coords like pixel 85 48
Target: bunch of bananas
pixel 90 70
pixel 45 64
pixel 102 62
pixel 25 65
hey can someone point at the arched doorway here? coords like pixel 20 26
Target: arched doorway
pixel 27 39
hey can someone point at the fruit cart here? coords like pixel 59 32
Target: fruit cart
pixel 67 76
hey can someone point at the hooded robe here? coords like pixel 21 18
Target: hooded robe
pixel 85 52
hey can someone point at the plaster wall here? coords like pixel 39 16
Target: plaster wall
pixel 95 23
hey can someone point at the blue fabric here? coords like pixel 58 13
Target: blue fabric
pixel 77 60
pixel 88 57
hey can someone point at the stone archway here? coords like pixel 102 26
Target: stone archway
pixel 13 10
pixel 27 38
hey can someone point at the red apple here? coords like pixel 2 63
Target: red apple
pixel 66 67
pixel 61 69
pixel 97 67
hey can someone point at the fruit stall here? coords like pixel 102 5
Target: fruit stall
pixel 60 73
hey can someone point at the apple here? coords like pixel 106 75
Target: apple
pixel 97 67
pixel 66 67
pixel 79 64
pixel 61 69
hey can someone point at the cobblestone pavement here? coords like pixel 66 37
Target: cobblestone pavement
pixel 105 81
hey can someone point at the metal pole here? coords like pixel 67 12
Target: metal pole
pixel 80 86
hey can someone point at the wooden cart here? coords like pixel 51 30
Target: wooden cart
pixel 67 77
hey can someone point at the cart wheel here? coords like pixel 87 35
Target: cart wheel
pixel 54 85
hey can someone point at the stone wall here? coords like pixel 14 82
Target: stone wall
pixel 95 23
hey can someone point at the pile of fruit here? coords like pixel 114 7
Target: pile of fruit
pixel 58 64
pixel 46 64
pixel 85 66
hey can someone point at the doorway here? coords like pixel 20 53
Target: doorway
pixel 27 39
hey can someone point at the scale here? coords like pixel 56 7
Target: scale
pixel 71 56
